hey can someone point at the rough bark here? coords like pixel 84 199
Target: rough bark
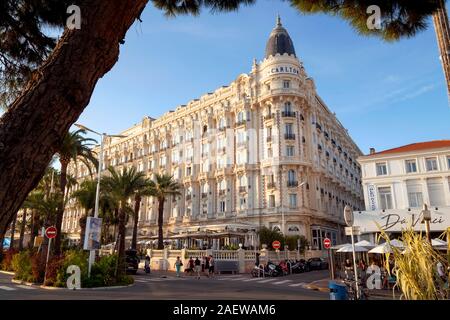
pixel 22 229
pixel 160 223
pixel 59 215
pixel 35 124
pixel 137 205
pixel 121 240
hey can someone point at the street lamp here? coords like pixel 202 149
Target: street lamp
pixel 426 218
pixel 349 220
pixel 97 194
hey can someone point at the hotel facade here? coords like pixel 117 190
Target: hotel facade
pixel 399 181
pixel 262 151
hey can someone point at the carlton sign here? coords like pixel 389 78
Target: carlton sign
pixel 398 220
pixel 283 69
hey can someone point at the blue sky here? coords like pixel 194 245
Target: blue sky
pixel 385 94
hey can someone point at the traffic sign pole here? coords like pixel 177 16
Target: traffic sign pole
pixel 355 267
pixel 46 261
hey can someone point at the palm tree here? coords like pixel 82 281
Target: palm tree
pixel 163 187
pixel 74 147
pixel 121 186
pixel 85 196
pixel 23 225
pixel 141 191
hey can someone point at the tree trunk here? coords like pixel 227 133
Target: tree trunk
pixel 137 205
pixel 13 231
pixel 59 215
pixel 160 223
pixel 82 222
pixel 22 229
pixel 34 228
pixel 442 28
pixel 34 125
pixel 121 240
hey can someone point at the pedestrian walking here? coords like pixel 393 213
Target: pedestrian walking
pixel 178 265
pixel 211 265
pixel 257 259
pixel 203 263
pixel 191 266
pixel 147 264
pixel 198 267
pixel 207 266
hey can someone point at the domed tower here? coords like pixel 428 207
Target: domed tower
pixel 279 41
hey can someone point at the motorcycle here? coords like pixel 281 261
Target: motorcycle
pixel 284 268
pixel 258 271
pixel 299 266
pixel 273 270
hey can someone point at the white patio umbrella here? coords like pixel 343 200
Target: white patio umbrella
pixel 338 246
pixel 438 242
pixel 365 244
pixel 382 248
pixel 348 248
pixel 397 243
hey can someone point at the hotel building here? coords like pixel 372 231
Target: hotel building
pixel 263 151
pixel 399 181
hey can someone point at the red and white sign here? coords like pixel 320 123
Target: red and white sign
pixel 327 243
pixel 276 244
pixel 50 232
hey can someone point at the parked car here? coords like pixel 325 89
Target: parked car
pixel 317 264
pixel 132 261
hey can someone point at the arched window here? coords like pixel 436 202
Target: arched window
pixel 222 123
pixel 240 116
pixel 287 107
pixel 243 181
pixel 292 177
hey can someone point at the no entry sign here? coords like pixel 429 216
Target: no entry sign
pixel 50 232
pixel 276 244
pixel 327 243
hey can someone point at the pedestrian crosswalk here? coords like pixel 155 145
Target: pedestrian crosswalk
pixel 278 281
pixel 16 287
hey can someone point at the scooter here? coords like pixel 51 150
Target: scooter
pixel 273 270
pixel 258 271
pixel 284 268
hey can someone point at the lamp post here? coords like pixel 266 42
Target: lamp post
pixel 426 218
pixel 348 217
pixel 99 173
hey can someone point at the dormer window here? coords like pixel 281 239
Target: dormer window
pixel 286 84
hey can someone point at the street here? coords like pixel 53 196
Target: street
pixel 168 286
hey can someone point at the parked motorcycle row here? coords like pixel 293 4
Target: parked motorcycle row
pixel 286 267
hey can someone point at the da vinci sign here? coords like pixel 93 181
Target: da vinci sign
pixel 398 220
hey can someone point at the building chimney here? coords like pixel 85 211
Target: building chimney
pixel 372 150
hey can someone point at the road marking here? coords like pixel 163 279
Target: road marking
pixel 138 280
pixel 281 282
pixel 252 279
pixel 237 279
pixel 25 287
pixel 7 288
pixel 297 284
pixel 265 281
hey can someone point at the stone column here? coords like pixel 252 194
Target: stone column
pixel 241 260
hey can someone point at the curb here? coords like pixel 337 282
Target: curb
pixel 59 288
pixel 313 286
pixel 7 272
